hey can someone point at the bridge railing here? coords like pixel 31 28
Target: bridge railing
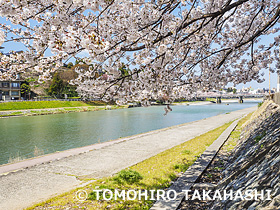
pixel 244 95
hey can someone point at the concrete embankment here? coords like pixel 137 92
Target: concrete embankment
pixel 27 186
pixel 255 164
pixel 246 177
pixel 249 174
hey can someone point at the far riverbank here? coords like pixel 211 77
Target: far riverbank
pixel 62 110
pixel 32 108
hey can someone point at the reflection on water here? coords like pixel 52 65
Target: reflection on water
pixel 19 136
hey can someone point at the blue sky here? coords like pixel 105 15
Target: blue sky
pixel 15 46
pixel 266 40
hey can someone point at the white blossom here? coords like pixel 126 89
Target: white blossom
pixel 171 49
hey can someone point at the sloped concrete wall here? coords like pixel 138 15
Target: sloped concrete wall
pixel 255 164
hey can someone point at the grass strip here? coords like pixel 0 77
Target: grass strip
pixel 21 105
pixel 60 110
pixel 235 134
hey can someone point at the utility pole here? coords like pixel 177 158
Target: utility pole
pixel 278 76
pixel 269 92
pixel 269 83
pixel 278 83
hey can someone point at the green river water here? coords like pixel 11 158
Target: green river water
pixel 50 133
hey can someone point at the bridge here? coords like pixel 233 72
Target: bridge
pixel 239 96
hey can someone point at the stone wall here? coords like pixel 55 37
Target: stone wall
pixel 255 163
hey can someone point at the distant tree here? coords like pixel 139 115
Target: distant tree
pixel 69 65
pixel 60 85
pixel 86 68
pixel 81 66
pixel 124 70
pixel 25 89
pixel 56 88
pixel 77 62
pixel 229 90
pixel 68 75
pixel 70 90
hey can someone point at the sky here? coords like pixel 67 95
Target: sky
pixel 16 46
pixel 273 76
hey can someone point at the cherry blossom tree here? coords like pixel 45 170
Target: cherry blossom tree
pixel 172 48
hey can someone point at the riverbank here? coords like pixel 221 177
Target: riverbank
pixel 46 111
pixel 33 108
pixel 24 187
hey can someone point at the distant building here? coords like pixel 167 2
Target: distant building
pixel 243 90
pixel 257 91
pixel 265 90
pixel 10 90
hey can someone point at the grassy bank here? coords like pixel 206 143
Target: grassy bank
pixel 57 110
pixel 154 173
pixel 39 105
pixel 31 108
pixel 234 137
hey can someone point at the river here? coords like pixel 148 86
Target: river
pixel 50 133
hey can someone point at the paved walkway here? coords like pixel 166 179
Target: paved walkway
pixel 28 186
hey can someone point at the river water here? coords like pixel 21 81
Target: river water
pixel 50 133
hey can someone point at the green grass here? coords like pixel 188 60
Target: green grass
pixel 129 176
pixel 259 137
pixel 59 110
pixel 154 173
pixel 39 105
pixel 260 104
pixel 98 103
pixel 235 135
pixel 187 152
